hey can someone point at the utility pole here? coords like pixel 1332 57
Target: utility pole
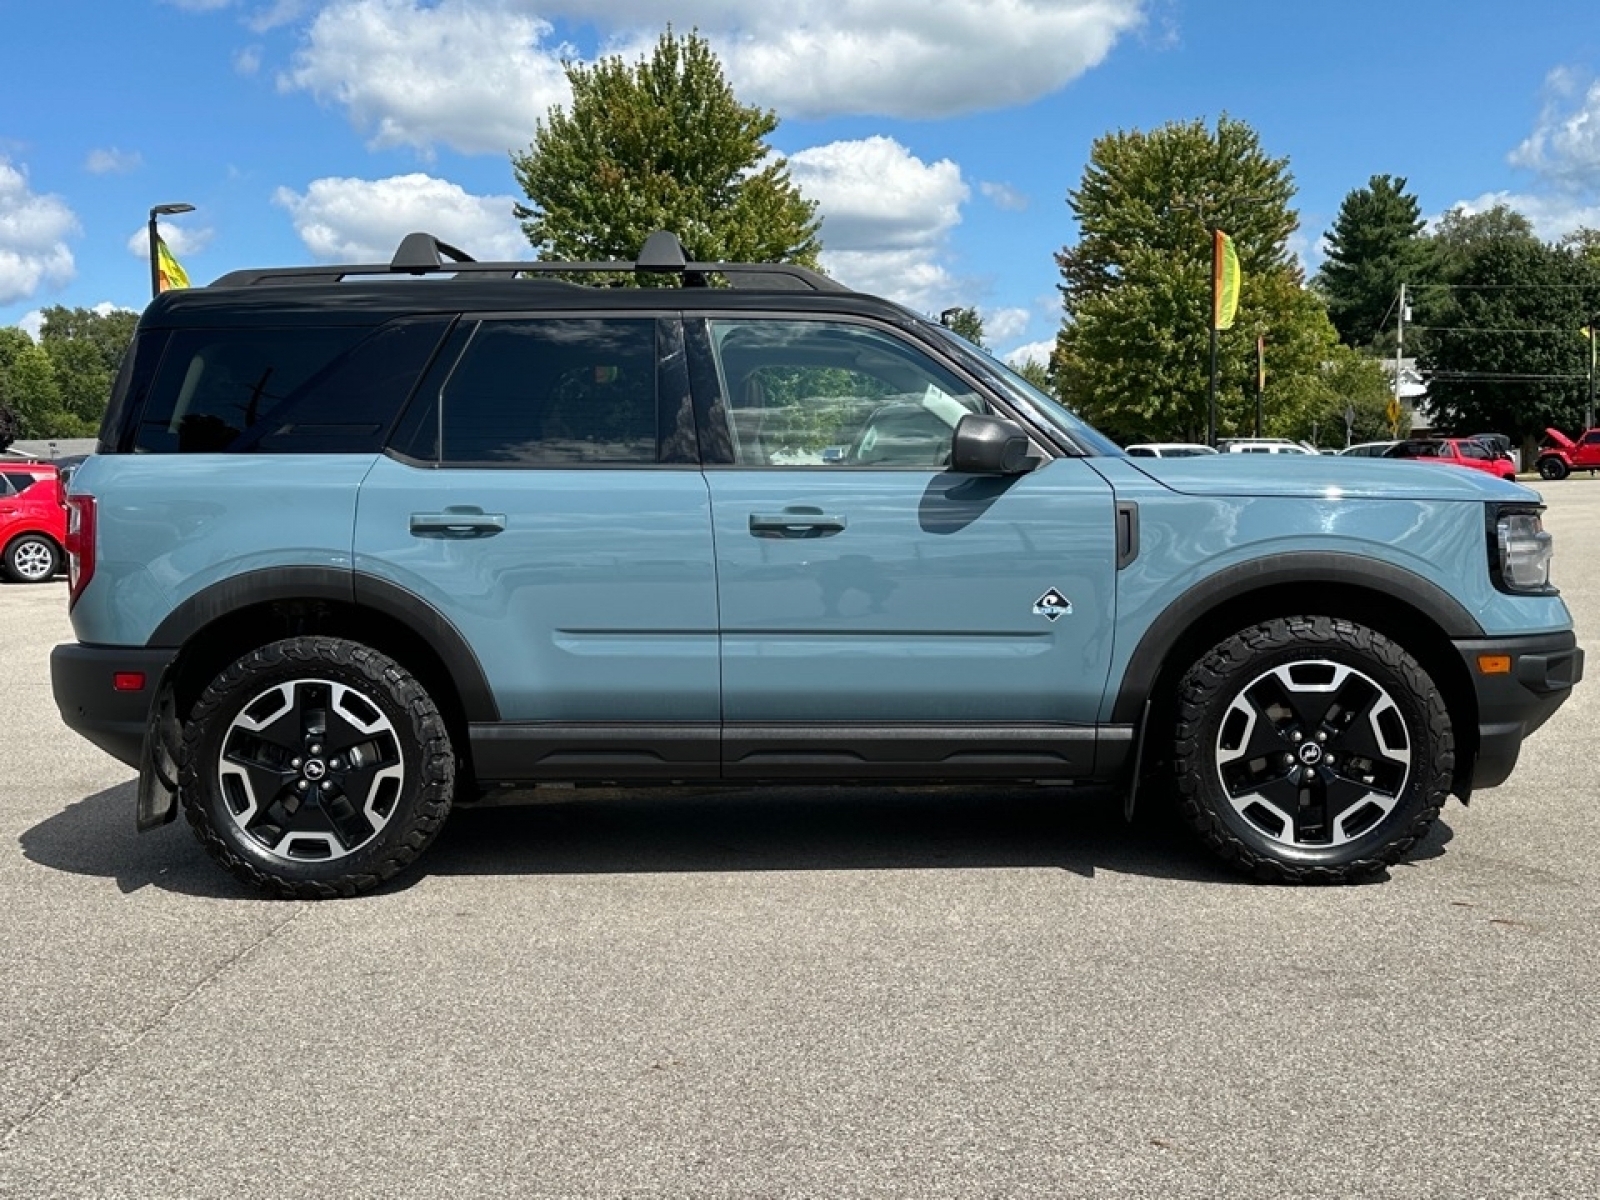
pixel 1399 353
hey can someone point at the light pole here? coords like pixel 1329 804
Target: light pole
pixel 160 210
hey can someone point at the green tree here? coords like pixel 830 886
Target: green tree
pixel 109 333
pixel 1133 352
pixel 1375 245
pixel 10 427
pixel 83 385
pixel 1505 353
pixel 661 144
pixel 28 386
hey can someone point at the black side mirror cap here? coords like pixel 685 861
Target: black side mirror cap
pixel 985 445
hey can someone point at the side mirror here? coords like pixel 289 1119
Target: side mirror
pixel 985 445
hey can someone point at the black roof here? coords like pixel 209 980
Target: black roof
pixel 429 276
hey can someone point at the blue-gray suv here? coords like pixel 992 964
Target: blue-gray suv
pixel 363 542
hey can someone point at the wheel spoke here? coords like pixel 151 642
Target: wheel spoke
pixel 1313 753
pixel 311 769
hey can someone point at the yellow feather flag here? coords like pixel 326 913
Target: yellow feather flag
pixel 171 271
pixel 1224 281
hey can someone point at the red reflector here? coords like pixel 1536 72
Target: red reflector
pixel 128 681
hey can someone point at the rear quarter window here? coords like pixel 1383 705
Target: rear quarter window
pixel 282 390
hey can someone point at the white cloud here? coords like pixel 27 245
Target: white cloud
pixel 1550 216
pixel 33 232
pixel 182 240
pixel 1038 352
pixel 1003 324
pixel 32 323
pixel 247 62
pixel 477 74
pixel 363 220
pixel 1564 147
pixel 473 74
pixel 111 161
pixel 886 216
pixel 907 58
pixel 1004 196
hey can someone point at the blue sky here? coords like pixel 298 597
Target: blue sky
pixel 939 137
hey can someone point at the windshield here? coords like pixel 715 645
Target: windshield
pixel 1040 405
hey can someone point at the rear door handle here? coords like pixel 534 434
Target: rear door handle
pixel 798 522
pixel 464 521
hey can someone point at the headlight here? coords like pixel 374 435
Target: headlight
pixel 1522 552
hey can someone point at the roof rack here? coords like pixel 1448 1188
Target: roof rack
pixel 423 254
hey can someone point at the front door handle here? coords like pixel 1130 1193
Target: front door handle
pixel 457 521
pixel 797 522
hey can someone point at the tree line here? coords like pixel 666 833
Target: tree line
pixel 1492 313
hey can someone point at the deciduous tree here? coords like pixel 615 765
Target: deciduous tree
pixel 1133 352
pixel 661 144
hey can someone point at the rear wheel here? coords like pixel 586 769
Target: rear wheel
pixel 1311 749
pixel 1552 467
pixel 315 767
pixel 31 558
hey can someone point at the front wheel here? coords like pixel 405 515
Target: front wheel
pixel 1311 749
pixel 31 558
pixel 1552 468
pixel 315 767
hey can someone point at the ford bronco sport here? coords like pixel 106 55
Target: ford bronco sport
pixel 363 542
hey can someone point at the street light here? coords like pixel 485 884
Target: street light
pixel 160 210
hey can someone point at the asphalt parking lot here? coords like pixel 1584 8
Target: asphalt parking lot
pixel 963 992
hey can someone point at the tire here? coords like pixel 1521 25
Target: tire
pixel 1552 468
pixel 1311 750
pixel 31 558
pixel 315 767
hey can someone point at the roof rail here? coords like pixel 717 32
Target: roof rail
pixel 663 253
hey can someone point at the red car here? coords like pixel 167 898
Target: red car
pixel 1560 456
pixel 1461 452
pixel 33 521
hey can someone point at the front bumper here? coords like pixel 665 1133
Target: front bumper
pixel 1512 704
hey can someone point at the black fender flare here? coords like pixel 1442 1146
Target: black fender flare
pixel 353 590
pixel 1309 569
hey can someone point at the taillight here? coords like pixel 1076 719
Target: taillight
pixel 80 545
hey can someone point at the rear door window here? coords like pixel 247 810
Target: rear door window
pixel 553 392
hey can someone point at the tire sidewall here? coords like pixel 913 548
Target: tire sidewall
pixel 425 790
pixel 1415 698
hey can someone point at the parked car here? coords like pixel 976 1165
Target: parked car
pixel 1368 449
pixel 1169 449
pixel 1458 452
pixel 33 521
pixel 1263 446
pixel 772 532
pixel 1559 455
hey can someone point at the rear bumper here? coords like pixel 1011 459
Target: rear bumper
pixel 1512 704
pixel 82 679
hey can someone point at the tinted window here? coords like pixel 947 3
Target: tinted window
pixel 820 393
pixel 548 392
pixel 1141 452
pixel 290 390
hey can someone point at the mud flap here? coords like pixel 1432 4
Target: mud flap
pixel 158 765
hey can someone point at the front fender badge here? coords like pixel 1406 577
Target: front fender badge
pixel 1052 606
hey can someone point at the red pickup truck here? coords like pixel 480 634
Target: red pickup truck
pixel 1559 455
